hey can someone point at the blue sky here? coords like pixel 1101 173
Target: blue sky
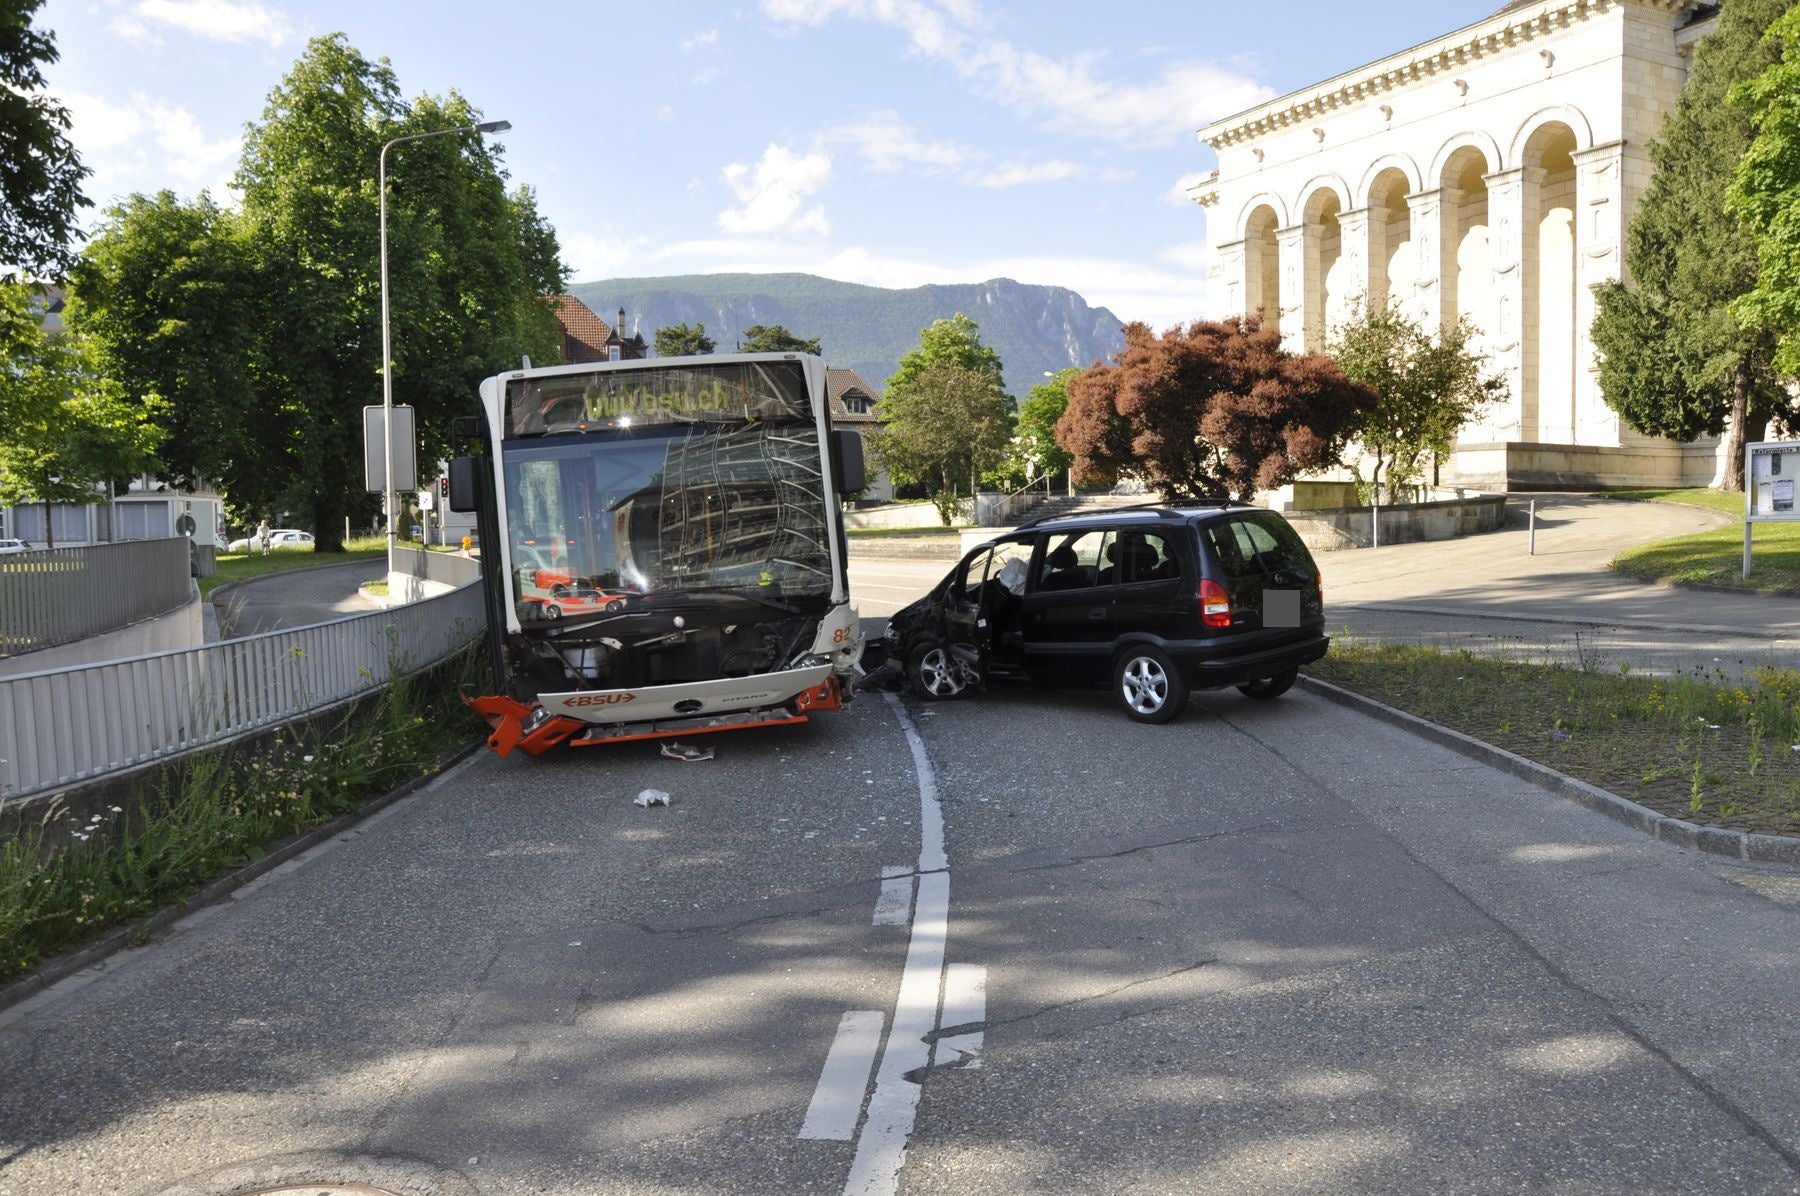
pixel 889 142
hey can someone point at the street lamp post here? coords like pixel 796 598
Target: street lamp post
pixel 387 354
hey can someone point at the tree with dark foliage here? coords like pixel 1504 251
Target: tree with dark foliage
pixel 683 340
pixel 775 339
pixel 40 176
pixel 1218 409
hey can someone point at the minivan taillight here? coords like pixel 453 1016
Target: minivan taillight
pixel 1215 604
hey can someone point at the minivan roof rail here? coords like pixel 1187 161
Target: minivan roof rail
pixel 1221 503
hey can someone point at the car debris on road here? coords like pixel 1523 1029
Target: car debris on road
pixel 686 752
pixel 651 797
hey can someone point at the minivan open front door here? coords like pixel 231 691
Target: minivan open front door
pixel 947 665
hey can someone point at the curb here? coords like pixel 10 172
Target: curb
pixel 55 970
pixel 1737 845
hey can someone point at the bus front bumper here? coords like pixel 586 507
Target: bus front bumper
pixel 588 717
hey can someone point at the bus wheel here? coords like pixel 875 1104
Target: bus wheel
pixel 934 673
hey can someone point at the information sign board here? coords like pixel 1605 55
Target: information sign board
pixel 1771 469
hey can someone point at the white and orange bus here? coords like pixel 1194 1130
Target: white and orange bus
pixel 663 548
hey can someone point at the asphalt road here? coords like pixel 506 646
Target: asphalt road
pixel 1274 947
pixel 297 599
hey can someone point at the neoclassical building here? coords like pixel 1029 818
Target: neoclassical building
pixel 1489 173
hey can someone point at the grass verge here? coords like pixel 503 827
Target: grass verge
pixel 1716 558
pixel 1688 747
pixel 217 811
pixel 244 566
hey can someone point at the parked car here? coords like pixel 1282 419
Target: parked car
pixel 11 546
pixel 285 538
pixel 1153 601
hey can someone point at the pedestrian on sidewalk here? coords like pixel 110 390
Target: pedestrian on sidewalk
pixel 262 536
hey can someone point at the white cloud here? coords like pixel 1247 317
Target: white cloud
pixel 193 159
pixel 147 145
pixel 665 113
pixel 214 20
pixel 1177 196
pixel 1017 174
pixel 707 37
pixel 1193 256
pixel 604 254
pixel 1068 92
pixel 886 143
pixel 771 193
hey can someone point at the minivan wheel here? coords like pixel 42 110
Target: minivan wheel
pixel 1148 686
pixel 1269 687
pixel 935 673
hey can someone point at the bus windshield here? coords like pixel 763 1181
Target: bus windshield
pixel 599 518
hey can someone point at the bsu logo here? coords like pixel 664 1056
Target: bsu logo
pixel 599 699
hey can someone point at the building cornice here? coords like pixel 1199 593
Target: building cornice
pixel 1501 33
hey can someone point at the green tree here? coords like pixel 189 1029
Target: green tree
pixel 69 428
pixel 1218 409
pixel 776 339
pixel 262 328
pixel 40 175
pixel 172 294
pixel 1676 358
pixel 683 340
pixel 1429 387
pixel 1765 189
pixel 1039 411
pixel 945 427
pixel 956 341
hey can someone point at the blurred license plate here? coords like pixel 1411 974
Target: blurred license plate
pixel 1281 608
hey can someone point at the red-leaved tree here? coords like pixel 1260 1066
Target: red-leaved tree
pixel 1218 409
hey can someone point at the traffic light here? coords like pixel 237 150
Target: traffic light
pixel 444 492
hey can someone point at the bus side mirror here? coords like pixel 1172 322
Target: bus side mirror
pixel 847 474
pixel 465 483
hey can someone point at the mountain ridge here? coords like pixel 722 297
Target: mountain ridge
pixel 1035 328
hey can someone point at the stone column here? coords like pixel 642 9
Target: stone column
pixel 1364 242
pixel 1511 316
pixel 1292 245
pixel 1599 234
pixel 1433 215
pixel 1227 284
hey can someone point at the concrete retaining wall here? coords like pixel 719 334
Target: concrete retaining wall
pixel 1406 523
pixel 183 627
pixel 911 514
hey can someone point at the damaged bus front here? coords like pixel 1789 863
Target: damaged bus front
pixel 663 548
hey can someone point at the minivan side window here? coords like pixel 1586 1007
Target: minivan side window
pixel 1072 561
pixel 1140 556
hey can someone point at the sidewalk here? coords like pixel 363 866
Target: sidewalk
pixel 1487 593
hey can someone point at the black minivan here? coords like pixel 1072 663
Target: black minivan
pixel 1153 601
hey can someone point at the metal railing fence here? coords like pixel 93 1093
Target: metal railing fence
pixel 64 726
pixel 56 596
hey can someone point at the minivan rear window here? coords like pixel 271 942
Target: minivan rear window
pixel 1254 543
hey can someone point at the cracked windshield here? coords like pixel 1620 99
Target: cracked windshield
pixel 620 485
pixel 900 598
